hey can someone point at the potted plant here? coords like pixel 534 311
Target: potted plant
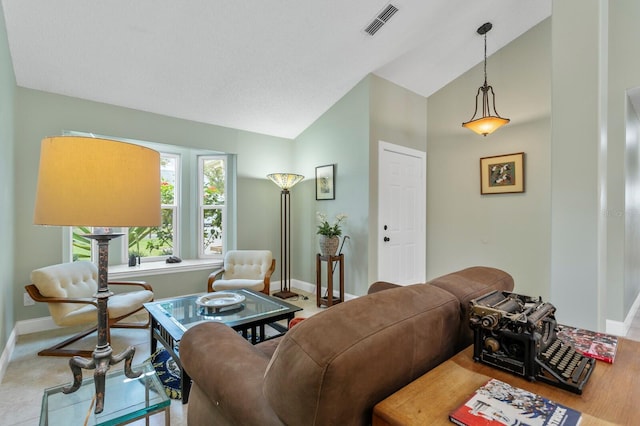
pixel 330 233
pixel 134 258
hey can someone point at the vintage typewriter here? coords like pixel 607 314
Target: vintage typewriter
pixel 517 333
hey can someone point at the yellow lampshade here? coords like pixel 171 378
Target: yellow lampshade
pixel 285 180
pixel 96 182
pixel 486 125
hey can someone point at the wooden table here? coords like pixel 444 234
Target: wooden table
pixel 329 261
pixel 611 396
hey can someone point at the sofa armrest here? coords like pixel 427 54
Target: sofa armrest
pixel 230 371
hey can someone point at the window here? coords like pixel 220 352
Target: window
pixel 151 243
pixel 197 214
pixel 212 173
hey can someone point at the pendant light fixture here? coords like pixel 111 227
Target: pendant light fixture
pixel 490 120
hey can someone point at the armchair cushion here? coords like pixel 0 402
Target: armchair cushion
pixel 119 305
pixel 79 281
pixel 244 269
pixel 256 285
pixel 246 264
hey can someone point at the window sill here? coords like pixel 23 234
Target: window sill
pixel 119 272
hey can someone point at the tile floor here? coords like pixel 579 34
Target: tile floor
pixel 27 374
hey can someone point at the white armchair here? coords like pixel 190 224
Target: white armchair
pixel 69 289
pixel 250 269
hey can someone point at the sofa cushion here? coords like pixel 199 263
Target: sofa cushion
pixel 376 344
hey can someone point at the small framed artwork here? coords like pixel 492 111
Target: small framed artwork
pixel 502 174
pixel 325 182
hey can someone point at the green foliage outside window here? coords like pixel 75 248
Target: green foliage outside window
pixel 157 240
pixel 213 195
pixel 81 249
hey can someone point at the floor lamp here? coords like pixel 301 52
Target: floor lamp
pixel 102 184
pixel 285 181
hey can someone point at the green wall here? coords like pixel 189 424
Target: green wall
pixel 7 278
pixel 348 135
pixel 40 114
pixel 506 231
pixel 398 116
pixel 623 169
pixel 595 222
pixel 339 137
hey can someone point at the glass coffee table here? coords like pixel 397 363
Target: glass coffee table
pixel 125 400
pixel 170 318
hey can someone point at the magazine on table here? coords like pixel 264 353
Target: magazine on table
pixel 596 345
pixel 498 403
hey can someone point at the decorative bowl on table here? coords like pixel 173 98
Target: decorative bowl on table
pixel 220 301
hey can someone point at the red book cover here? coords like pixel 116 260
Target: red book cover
pixel 596 345
pixel 498 404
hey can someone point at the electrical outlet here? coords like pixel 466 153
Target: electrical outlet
pixel 28 301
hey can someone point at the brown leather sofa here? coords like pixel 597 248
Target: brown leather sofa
pixel 333 367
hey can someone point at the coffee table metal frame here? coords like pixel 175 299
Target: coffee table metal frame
pixel 170 318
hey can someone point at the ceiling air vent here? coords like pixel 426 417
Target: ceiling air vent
pixel 382 18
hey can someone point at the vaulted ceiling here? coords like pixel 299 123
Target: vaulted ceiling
pixel 267 66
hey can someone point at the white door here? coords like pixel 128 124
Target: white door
pixel 401 214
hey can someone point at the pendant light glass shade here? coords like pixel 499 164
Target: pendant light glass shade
pixel 490 120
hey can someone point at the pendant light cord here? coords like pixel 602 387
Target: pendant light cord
pixel 485 59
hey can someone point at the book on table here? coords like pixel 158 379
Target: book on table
pixel 596 345
pixel 498 403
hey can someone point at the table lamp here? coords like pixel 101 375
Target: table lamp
pixel 102 184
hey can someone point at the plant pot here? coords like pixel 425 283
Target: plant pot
pixel 329 245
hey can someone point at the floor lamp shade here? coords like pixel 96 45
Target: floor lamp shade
pixel 285 180
pixel 96 182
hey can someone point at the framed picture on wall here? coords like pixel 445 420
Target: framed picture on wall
pixel 502 174
pixel 325 182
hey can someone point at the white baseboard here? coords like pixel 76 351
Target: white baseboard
pixel 308 287
pixel 6 354
pixel 23 327
pixel 620 328
pixel 35 325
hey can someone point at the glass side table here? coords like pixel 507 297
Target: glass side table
pixel 125 400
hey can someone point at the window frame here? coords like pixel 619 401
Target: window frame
pixel 175 216
pixel 202 207
pixel 188 240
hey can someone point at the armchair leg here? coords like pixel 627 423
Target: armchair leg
pixel 58 349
